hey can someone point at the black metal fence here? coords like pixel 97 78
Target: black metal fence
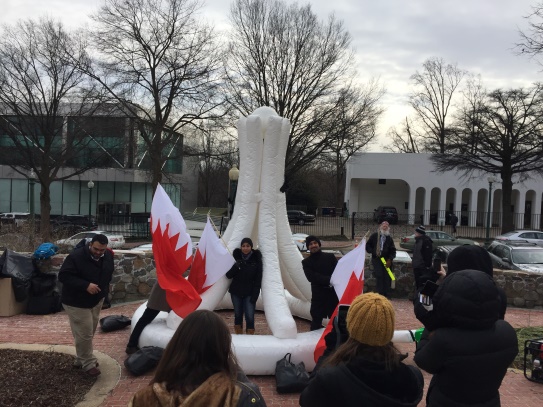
pixel 470 224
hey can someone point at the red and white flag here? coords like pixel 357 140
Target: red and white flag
pixel 348 281
pixel 172 250
pixel 211 260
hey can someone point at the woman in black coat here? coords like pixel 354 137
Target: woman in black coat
pixel 244 290
pixel 471 348
pixel 366 370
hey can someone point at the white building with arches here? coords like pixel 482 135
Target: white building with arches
pixel 420 194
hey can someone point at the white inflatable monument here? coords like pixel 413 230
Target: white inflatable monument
pixel 261 214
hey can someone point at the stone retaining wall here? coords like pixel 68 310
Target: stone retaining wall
pixel 135 274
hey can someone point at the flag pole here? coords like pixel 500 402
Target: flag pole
pixel 217 230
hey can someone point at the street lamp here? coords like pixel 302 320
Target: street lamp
pixel 490 180
pixel 90 185
pixel 233 175
pixel 31 182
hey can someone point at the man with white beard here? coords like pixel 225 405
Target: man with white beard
pixel 381 245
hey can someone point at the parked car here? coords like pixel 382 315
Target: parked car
pixel 81 220
pixel 442 253
pixel 14 218
pixel 64 227
pixel 116 241
pixel 517 255
pixel 299 217
pixel 438 238
pixel 388 213
pixel 299 240
pixel 532 236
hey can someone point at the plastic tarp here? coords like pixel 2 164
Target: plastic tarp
pixel 20 268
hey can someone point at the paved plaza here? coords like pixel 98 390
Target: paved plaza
pixel 54 330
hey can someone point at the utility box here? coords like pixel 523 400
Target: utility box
pixel 8 304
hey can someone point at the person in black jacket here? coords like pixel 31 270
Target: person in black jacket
pixel 246 275
pixel 366 370
pixel 461 258
pixel 381 245
pixel 318 269
pixel 471 348
pixel 422 258
pixel 85 275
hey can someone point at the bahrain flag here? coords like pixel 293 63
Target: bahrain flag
pixel 172 250
pixel 348 281
pixel 211 260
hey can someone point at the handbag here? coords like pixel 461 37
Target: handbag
pixel 290 378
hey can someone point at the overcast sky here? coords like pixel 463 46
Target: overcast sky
pixel 392 38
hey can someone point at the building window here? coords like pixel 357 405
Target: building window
pixel 382 182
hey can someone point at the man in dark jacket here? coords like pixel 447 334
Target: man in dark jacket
pixel 85 275
pixel 381 245
pixel 471 348
pixel 422 258
pixel 318 269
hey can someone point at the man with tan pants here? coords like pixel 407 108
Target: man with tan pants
pixel 85 275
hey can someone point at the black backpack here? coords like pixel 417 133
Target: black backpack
pixel 143 360
pixel 114 323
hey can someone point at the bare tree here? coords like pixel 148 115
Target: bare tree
pixel 162 64
pixel 432 98
pixel 282 56
pixel 531 43
pixel 351 128
pixel 406 140
pixel 504 137
pixel 44 100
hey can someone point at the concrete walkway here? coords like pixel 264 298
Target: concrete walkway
pixel 54 330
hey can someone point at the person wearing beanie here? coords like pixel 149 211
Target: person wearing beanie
pixel 471 348
pixel 422 258
pixel 246 275
pixel 461 258
pixel 318 269
pixel 367 369
pixel 380 244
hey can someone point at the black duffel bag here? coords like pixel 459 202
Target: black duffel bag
pixel 114 323
pixel 143 360
pixel 290 378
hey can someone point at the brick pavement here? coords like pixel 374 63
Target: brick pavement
pixel 54 329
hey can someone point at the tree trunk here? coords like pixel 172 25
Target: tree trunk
pixel 507 215
pixel 45 211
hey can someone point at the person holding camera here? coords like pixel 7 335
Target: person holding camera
pixel 246 275
pixel 422 258
pixel 367 369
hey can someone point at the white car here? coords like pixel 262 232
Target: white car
pixel 116 241
pixel 148 247
pixel 532 236
pixel 299 240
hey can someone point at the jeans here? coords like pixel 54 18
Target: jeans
pixel 243 305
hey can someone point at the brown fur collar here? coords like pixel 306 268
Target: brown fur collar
pixel 217 391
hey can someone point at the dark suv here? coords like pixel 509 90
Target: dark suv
pixel 388 213
pixel 299 217
pixel 79 220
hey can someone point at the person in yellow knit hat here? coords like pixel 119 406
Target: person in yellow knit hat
pixel 366 369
